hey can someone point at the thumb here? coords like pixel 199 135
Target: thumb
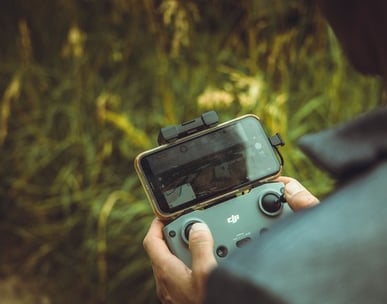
pixel 298 197
pixel 201 245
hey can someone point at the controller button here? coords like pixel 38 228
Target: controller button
pixel 243 242
pixel 271 204
pixel 172 233
pixel 221 251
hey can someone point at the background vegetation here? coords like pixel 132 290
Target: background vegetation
pixel 85 85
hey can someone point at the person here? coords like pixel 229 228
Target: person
pixel 334 251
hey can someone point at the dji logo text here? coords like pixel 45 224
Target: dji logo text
pixel 233 219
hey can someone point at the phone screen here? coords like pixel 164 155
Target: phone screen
pixel 213 164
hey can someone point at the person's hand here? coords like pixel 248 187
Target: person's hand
pixel 297 196
pixel 175 282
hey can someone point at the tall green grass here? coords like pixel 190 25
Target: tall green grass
pixel 86 85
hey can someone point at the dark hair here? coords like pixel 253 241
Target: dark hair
pixel 360 26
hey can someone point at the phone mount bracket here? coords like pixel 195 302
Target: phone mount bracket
pixel 207 120
pixel 171 133
pixel 276 140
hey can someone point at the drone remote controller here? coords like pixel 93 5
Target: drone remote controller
pixel 221 175
pixel 233 223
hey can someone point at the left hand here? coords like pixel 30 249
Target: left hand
pixel 175 282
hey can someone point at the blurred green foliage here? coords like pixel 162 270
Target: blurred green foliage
pixel 85 85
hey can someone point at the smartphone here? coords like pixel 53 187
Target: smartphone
pixel 207 167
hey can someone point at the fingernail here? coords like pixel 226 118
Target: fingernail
pixel 293 187
pixel 200 227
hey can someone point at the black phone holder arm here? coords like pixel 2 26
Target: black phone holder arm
pixel 171 133
pixel 276 141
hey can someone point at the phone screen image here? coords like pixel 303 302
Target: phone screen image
pixel 222 160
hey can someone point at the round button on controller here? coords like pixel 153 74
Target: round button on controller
pixel 221 251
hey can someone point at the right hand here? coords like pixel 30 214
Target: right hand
pixel 297 196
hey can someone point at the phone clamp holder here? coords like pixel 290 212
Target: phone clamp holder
pixel 171 133
pixel 276 141
pixel 207 120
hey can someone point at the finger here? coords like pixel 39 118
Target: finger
pixel 298 197
pixel 284 179
pixel 154 243
pixel 156 228
pixel 201 245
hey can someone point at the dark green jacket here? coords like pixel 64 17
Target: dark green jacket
pixel 335 252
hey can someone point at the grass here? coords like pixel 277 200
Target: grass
pixel 85 86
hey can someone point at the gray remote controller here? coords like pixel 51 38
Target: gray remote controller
pixel 233 223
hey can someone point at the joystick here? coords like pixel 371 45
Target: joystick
pixel 271 204
pixel 187 229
